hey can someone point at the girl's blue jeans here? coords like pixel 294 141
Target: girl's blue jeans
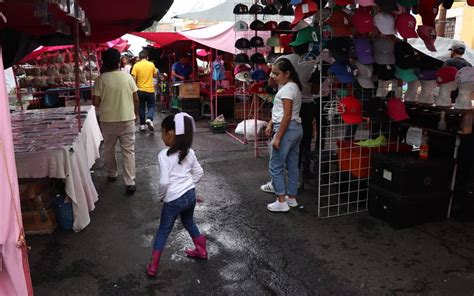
pixel 183 207
pixel 287 156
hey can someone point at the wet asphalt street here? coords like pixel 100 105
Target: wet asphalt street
pixel 251 251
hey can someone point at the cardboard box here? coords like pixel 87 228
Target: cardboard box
pixel 39 222
pixel 190 90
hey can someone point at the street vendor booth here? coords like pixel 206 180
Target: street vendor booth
pixel 25 25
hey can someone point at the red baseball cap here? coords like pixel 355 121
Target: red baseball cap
pixel 396 110
pixel 405 24
pixel 363 21
pixel 470 2
pixel 306 9
pixel 446 74
pixel 257 88
pixel 352 112
pixel 428 10
pixel 344 2
pixel 340 23
pixel 428 35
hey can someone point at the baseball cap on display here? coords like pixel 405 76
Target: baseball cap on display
pixel 272 57
pixel 242 43
pixel 304 36
pixel 458 46
pixel 344 2
pixel 306 9
pixel 284 26
pixel 407 3
pixel 428 62
pixel 406 25
pixel 241 58
pixel 352 112
pixel 427 74
pixel 343 72
pixel 363 51
pixel 257 41
pixel 385 23
pixel 428 35
pixel 365 3
pixel 384 72
pixel 340 23
pixel 300 25
pixel 376 109
pixel 340 48
pixel 257 25
pixel 258 88
pixel 446 74
pixel 257 58
pixel 405 55
pixel 407 75
pixel 273 41
pixel 364 75
pixel 387 5
pixel 428 10
pixel 241 26
pixel 295 2
pixel 256 9
pixel 470 2
pixel 362 20
pixel 271 26
pixel 465 75
pixel 287 9
pixel 396 110
pixel 241 9
pixel 270 10
pixel 242 72
pixel 384 51
pixel 259 75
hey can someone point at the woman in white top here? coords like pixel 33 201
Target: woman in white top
pixel 287 133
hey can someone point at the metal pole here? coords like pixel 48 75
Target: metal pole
pixel 76 72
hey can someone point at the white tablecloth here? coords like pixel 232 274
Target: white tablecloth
pixel 72 164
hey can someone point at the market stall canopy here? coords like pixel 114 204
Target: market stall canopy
pixel 219 13
pixel 442 49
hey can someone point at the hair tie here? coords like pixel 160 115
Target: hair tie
pixel 179 123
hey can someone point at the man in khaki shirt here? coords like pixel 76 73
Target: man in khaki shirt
pixel 115 94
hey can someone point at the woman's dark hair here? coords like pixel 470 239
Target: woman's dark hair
pixel 285 66
pixel 110 60
pixel 124 60
pixel 182 143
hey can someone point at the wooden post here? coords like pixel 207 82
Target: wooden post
pixel 76 72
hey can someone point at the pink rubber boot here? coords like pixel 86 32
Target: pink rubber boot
pixel 200 251
pixel 152 267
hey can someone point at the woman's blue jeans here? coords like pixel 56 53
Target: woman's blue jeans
pixel 184 207
pixel 287 156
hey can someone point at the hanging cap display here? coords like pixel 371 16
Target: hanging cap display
pixel 259 75
pixel 271 26
pixel 344 2
pixel 428 10
pixel 376 108
pixel 352 110
pixel 257 25
pixel 340 23
pixel 363 51
pixel 306 9
pixel 284 26
pixel 256 9
pixel 287 10
pixel 241 68
pixel 241 58
pixel 258 88
pixel 407 75
pixel 362 20
pixel 428 35
pixel 365 3
pixel 387 5
pixel 427 74
pixel 243 76
pixel 240 26
pixel 241 9
pixel 406 25
pixel 201 52
pixel 407 3
pixel 385 23
pixel 384 51
pixel 340 48
pixel 446 74
pixel 384 72
pixel 272 57
pixel 257 58
pixel 343 72
pixel 304 36
pixel 405 55
pixel 273 41
pixel 256 42
pixel 396 110
pixel 364 75
pixel 465 75
pixel 300 26
pixel 295 2
pixel 270 10
pixel 242 43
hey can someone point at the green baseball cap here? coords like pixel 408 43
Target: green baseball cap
pixel 273 41
pixel 305 35
pixel 407 75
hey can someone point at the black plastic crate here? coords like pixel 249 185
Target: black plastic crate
pixel 407 210
pixel 404 173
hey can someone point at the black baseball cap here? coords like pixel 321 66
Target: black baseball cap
pixel 340 48
pixel 257 58
pixel 242 43
pixel 405 57
pixel 375 108
pixel 241 9
pixel 384 72
pixel 270 9
pixel 257 25
pixel 287 9
pixel 257 41
pixel 387 5
pixel 428 62
pixel 242 58
pixel 256 9
pixel 271 26
pixel 284 26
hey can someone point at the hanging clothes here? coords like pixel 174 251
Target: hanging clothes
pixel 218 70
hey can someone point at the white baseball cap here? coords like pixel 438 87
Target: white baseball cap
pixel 365 75
pixel 465 75
pixel 385 22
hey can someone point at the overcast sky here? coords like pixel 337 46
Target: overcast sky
pixel 184 6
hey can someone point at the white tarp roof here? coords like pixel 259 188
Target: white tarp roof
pixel 223 12
pixel 442 49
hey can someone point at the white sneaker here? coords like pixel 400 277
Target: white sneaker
pixel 268 187
pixel 150 124
pixel 278 207
pixel 291 201
pixel 142 127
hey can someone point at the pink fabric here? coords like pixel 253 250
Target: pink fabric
pixel 15 274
